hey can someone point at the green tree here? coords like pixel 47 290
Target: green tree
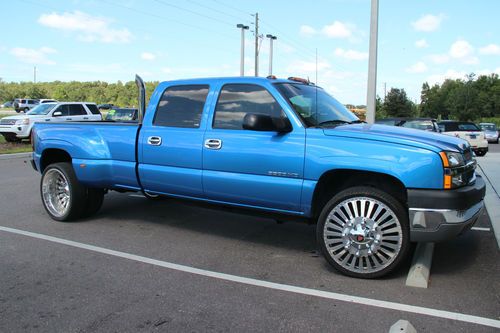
pixel 397 104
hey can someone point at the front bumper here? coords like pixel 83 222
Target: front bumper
pixel 439 215
pixel 21 131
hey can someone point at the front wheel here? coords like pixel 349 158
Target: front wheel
pixel 63 197
pixel 363 232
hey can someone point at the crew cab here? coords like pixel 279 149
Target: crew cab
pixel 467 131
pixel 281 147
pixel 16 128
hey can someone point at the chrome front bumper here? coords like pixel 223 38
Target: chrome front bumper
pixel 435 225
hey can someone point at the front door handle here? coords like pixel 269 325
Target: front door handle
pixel 213 144
pixel 69 118
pixel 154 140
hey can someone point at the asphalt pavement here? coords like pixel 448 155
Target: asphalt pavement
pixel 142 266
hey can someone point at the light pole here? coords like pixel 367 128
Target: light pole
pixel 242 59
pixel 271 38
pixel 372 65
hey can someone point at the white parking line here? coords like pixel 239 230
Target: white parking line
pixel 480 229
pixel 266 284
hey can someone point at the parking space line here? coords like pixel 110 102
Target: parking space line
pixel 480 229
pixel 266 284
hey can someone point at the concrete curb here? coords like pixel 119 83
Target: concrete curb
pixel 12 156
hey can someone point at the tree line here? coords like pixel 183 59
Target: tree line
pixel 470 98
pixel 122 94
pixel 467 99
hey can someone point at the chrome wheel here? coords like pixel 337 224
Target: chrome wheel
pixel 56 194
pixel 362 235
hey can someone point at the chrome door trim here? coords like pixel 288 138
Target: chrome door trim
pixel 214 144
pixel 154 140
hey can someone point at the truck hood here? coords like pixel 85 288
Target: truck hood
pixel 400 135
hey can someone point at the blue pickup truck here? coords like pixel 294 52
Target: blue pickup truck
pixel 282 147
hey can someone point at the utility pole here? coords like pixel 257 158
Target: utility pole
pixel 385 90
pixel 372 64
pixel 256 44
pixel 34 74
pixel 242 57
pixel 271 38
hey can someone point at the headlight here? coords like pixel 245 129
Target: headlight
pixel 456 172
pixel 24 121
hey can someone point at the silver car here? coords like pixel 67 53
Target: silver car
pixel 490 132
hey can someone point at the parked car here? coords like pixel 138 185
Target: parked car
pixel 490 132
pixel 123 114
pixel 41 101
pixel 16 128
pixel 467 131
pixel 24 104
pixel 106 106
pixel 283 147
pixel 6 105
pixel 426 124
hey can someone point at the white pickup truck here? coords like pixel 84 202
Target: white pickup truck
pixel 16 128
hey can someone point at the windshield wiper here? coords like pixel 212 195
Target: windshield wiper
pixel 338 122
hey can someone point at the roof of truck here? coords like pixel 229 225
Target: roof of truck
pixel 241 79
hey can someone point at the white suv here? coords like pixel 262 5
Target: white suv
pixel 467 131
pixel 16 128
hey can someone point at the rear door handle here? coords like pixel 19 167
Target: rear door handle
pixel 215 144
pixel 69 118
pixel 47 119
pixel 154 140
pixel 85 118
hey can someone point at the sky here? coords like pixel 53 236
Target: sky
pixel 161 40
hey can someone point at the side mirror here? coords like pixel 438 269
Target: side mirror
pixel 261 122
pixel 57 114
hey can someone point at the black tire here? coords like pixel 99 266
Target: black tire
pixel 95 198
pixel 368 245
pixel 26 110
pixel 480 153
pixel 75 192
pixel 10 137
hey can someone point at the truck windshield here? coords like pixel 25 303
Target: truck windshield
pixel 41 109
pixel 314 106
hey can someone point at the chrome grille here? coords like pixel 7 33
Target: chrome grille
pixel 7 121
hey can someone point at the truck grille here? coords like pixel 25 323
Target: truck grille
pixel 7 121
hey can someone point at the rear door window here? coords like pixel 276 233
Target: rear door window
pixel 76 110
pixel 181 106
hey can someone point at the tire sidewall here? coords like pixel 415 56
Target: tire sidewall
pixel 370 192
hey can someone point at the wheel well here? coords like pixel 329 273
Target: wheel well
pixel 50 156
pixel 334 181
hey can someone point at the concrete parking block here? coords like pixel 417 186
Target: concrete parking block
pixel 419 273
pixel 402 326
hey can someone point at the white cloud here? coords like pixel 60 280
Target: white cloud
pixel 34 56
pixel 491 49
pixel 89 27
pixel 337 30
pixel 439 58
pixel 351 54
pixel 428 22
pixel 419 67
pixel 450 74
pixel 421 43
pixel 148 56
pixel 166 70
pixel 306 30
pixel 461 49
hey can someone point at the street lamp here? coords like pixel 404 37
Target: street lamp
pixel 271 38
pixel 242 60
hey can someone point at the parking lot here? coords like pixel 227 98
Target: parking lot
pixel 140 265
